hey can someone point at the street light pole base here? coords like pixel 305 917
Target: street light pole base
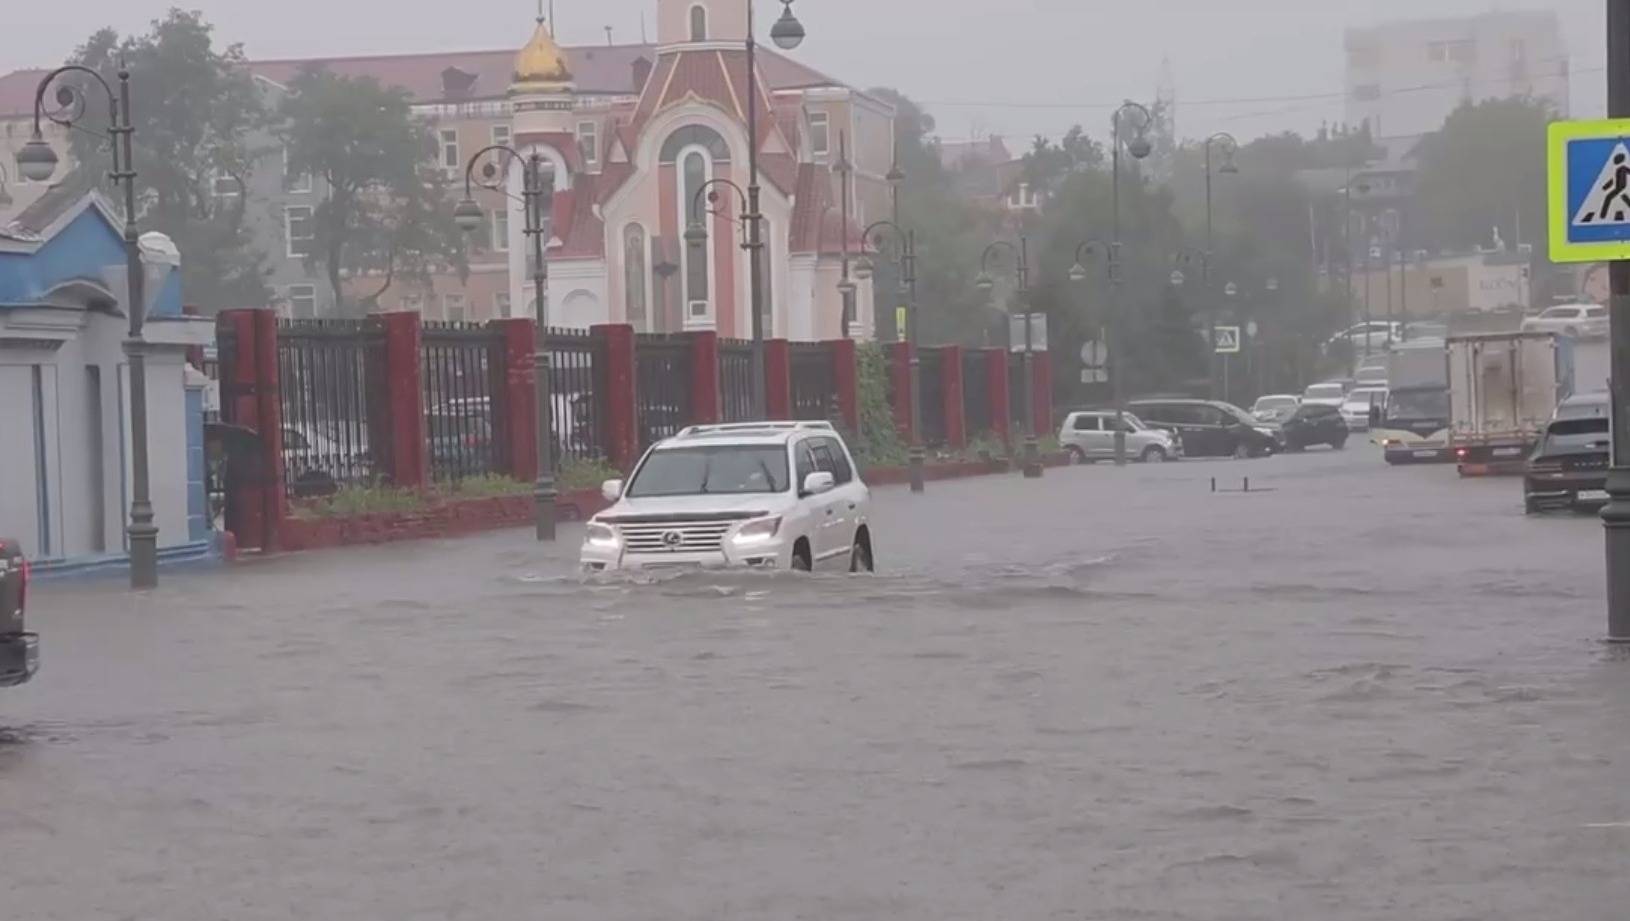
pixel 914 464
pixel 1616 519
pixel 143 552
pixel 1120 448
pixel 1032 459
pixel 544 496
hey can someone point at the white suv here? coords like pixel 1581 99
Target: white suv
pixel 769 495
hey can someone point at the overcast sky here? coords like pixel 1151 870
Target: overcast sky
pixel 1013 67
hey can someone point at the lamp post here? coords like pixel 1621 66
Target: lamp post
pixel 906 242
pixel 1230 147
pixel 469 217
pixel 36 161
pixel 1110 253
pixel 1230 291
pixel 846 287
pixel 1138 146
pixel 1191 258
pixel 1021 266
pixel 1616 516
pixel 6 201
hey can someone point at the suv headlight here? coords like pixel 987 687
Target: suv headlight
pixel 758 530
pixel 600 535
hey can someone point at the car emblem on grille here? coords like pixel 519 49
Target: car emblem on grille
pixel 672 539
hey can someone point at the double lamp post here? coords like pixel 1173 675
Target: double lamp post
pixel 36 162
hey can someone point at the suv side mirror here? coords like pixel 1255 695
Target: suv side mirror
pixel 818 482
pixel 612 490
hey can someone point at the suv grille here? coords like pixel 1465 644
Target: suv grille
pixel 675 537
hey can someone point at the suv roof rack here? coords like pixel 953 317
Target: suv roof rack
pixel 747 427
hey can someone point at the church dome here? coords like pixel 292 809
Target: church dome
pixel 541 65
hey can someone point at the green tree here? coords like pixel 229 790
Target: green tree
pixel 1484 169
pixel 386 214
pixel 194 108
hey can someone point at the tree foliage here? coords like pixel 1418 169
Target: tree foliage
pixel 194 109
pixel 386 213
pixel 1485 169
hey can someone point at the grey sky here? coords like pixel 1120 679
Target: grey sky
pixel 1044 63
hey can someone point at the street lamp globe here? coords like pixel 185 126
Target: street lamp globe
pixel 1078 272
pixel 864 268
pixel 1230 289
pixel 788 32
pixel 1139 147
pixel 1272 285
pixel 36 161
pixel 984 282
pixel 1177 278
pixel 846 288
pixel 695 234
pixel 468 216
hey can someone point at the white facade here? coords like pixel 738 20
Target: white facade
pixel 1404 78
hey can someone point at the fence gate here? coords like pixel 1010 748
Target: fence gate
pixel 662 385
pixel 330 379
pixel 736 379
pixel 576 395
pixel 461 367
pixel 814 383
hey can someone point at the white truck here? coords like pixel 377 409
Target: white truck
pixel 1414 423
pixel 1503 390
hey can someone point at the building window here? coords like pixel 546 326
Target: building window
pixel 1021 198
pixel 698 23
pixel 453 307
pixel 449 150
pixel 413 302
pixel 1460 52
pixel 634 274
pixel 820 133
pixel 500 228
pixel 292 182
pixel 588 142
pixel 694 170
pixel 302 301
pixel 1367 92
pixel 299 229
pixel 500 134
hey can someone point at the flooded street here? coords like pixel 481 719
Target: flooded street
pixel 1368 693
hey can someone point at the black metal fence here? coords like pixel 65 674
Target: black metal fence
pixel 577 391
pixel 329 373
pixel 662 386
pixel 814 381
pixel 976 402
pixel 736 379
pixel 464 425
pixel 931 374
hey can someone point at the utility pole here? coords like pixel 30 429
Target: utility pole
pixel 1616 517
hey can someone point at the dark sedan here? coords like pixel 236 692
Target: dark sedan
pixel 1568 468
pixel 1208 428
pixel 1313 424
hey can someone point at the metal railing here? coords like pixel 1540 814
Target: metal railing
pixel 814 382
pixel 736 379
pixel 662 385
pixel 330 372
pixel 576 396
pixel 931 375
pixel 464 427
pixel 976 402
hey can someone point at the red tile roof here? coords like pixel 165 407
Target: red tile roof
pixel 17 91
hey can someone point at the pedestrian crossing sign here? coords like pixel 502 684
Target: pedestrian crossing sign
pixel 1588 167
pixel 1227 340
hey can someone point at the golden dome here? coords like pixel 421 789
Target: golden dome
pixel 541 65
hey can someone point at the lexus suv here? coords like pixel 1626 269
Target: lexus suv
pixel 766 495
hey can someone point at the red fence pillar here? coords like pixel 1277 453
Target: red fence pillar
pixel 618 411
pixel 518 401
pixel 996 383
pixel 900 374
pixel 846 377
pixel 1042 371
pixel 778 379
pixel 956 420
pixel 404 401
pixel 250 398
pixel 706 405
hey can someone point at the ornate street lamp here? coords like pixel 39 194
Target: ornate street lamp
pixel 1138 146
pixel 1230 149
pixel 987 283
pixel 696 238
pixel 36 162
pixel 1110 254
pixel 470 218
pixel 905 242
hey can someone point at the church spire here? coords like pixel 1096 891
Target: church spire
pixel 541 65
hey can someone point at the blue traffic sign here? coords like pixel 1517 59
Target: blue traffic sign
pixel 1589 173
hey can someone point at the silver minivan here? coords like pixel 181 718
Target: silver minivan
pixel 1090 436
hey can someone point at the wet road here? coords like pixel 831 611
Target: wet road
pixel 1368 694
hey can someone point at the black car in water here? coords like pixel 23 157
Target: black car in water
pixel 1568 468
pixel 1208 428
pixel 1313 424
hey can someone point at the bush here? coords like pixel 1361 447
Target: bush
pixel 878 443
pixel 578 474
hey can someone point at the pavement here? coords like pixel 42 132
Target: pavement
pixel 1364 693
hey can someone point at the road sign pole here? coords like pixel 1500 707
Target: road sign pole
pixel 1616 517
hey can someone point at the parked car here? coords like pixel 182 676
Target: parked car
pixel 19 649
pixel 1366 337
pixel 460 444
pixel 1372 372
pixel 1425 329
pixel 1275 406
pixel 1582 320
pixel 1313 424
pixel 765 495
pixel 1090 436
pixel 319 459
pixel 1329 393
pixel 1209 428
pixel 1568 468
pixel 1357 408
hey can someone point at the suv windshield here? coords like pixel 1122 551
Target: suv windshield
pixel 721 470
pixel 1419 404
pixel 1576 436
